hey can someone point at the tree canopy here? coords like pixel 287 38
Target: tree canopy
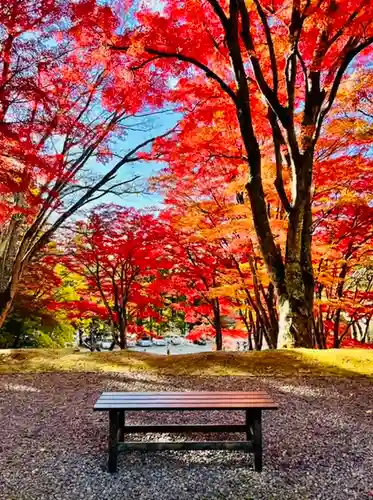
pixel 266 227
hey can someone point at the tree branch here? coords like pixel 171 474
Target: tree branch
pixel 351 51
pixel 267 92
pixel 277 142
pixel 87 197
pixel 271 48
pixel 219 12
pixel 181 57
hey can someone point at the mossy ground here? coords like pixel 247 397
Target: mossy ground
pixel 288 363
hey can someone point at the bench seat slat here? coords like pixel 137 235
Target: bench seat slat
pixel 189 398
pixel 184 394
pixel 185 406
pixel 185 403
pixel 184 400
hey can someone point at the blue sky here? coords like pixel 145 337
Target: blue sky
pixel 155 125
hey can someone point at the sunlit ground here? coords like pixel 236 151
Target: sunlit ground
pixel 296 362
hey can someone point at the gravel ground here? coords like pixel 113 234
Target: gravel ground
pixel 318 445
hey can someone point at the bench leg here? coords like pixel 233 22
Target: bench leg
pixel 113 440
pixel 257 439
pixel 249 424
pixel 121 426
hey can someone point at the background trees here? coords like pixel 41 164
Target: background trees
pixel 34 320
pixel 278 68
pixel 59 117
pixel 119 252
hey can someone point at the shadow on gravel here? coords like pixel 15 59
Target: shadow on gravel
pixel 123 380
pixel 318 441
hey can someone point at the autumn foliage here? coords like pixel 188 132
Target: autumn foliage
pixel 120 253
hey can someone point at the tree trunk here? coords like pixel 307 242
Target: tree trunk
pixel 318 330
pixel 8 294
pixel 258 335
pixel 248 329
pixel 340 287
pixel 16 340
pixel 114 332
pixel 273 316
pixel 270 332
pixel 337 320
pixel 250 342
pixel 366 331
pixel 122 327
pixel 296 304
pixel 6 303
pixel 123 336
pixel 92 340
pixel 293 279
pixel 217 325
pixel 296 323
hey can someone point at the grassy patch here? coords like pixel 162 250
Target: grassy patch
pixel 288 363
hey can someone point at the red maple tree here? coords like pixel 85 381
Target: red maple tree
pixel 58 116
pixel 275 69
pixel 119 251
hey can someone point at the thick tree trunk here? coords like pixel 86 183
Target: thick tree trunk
pixel 217 325
pixel 294 278
pixel 296 323
pixel 8 294
pixel 295 288
pixel 296 314
pixel 296 317
pixel 123 336
pixel 6 303
pixel 296 303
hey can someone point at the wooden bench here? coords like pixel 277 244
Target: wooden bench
pixel 117 403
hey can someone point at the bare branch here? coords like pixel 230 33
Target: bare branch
pixel 267 92
pixel 219 12
pixel 351 50
pixel 271 47
pixel 278 141
pixel 129 157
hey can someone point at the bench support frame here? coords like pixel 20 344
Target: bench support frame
pixel 252 429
